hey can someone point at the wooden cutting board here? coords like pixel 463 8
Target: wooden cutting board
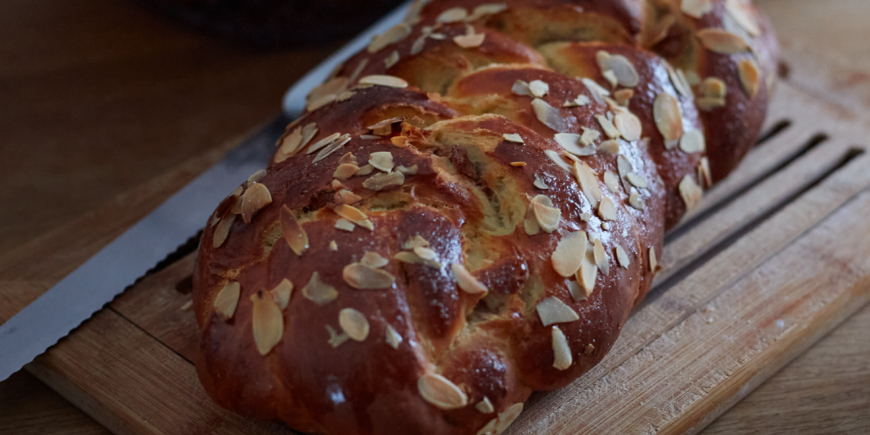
pixel 774 258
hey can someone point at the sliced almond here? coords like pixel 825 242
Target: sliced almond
pixel 354 215
pixel 415 241
pixel 693 142
pixel 680 83
pixel 635 201
pixel 749 76
pixel 383 80
pixel 256 197
pixel 365 170
pixel 521 87
pixel 744 17
pixel 486 9
pixel 382 160
pixel 267 322
pixel 588 182
pixel 354 324
pixel 373 259
pixel 469 40
pixel 332 147
pixel 610 76
pixel 713 87
pixel 222 230
pixel 606 210
pixel 569 251
pixel 549 115
pixel 291 143
pixel 452 15
pixel 381 181
pixel 721 41
pixel 696 8
pixel 513 137
pixel 561 350
pixel 363 277
pixel 392 59
pixel 622 257
pixel 336 339
pixel 466 281
pixel 611 181
pixel 333 246
pixel 628 125
pixel 653 263
pixel 347 197
pixel 588 273
pixel 623 69
pixel 623 96
pixel 344 225
pixel 557 159
pixel 547 216
pixel 318 291
pixel 282 293
pixel 539 183
pixel 600 256
pixel 707 104
pixel 323 142
pixel 598 93
pixel 552 310
pixel 690 192
pixel 256 177
pixel 485 406
pixel 704 172
pixel 539 88
pixel 610 147
pixel 294 234
pixel 391 36
pixel 577 293
pixel 440 392
pixel 393 338
pixel 345 170
pixel 636 180
pixel 314 104
pixel 227 300
pixel 407 170
pixel 668 117
pixel 570 142
pixel 507 417
pixel 581 100
pixel 607 125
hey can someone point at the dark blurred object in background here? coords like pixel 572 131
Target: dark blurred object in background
pixel 277 23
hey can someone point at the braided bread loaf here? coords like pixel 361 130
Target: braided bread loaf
pixel 470 208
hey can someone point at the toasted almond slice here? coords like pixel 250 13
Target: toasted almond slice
pixel 600 256
pixel 373 259
pixel 598 93
pixel 440 392
pixel 347 197
pixel 331 148
pixel 344 225
pixel 469 40
pixel 570 142
pixel 588 273
pixel 513 137
pixel 333 246
pixel 547 216
pixel 622 257
pixel 623 96
pixel 282 293
pixel 314 104
pixel 552 310
pixel 227 300
pixel 345 170
pixel 486 9
pixel 382 160
pixel 690 192
pixel 365 170
pixel 289 145
pixel 588 182
pixel 569 251
pixel 507 417
pixel 610 147
pixel 678 80
pixel 255 198
pixel 256 177
pixel 743 16
pixel 721 41
pixel 323 142
pixel 336 339
pixel 561 351
pixel 425 253
pixel 539 183
pixel 539 88
pixel 383 80
pixel 392 59
pixel 363 277
pixel 635 201
pixel 636 180
pixel 606 210
pixel 704 171
pixel 521 87
pixel 549 115
pixel 485 406
pixel 222 231
pixel 391 36
pixel 294 234
pixel 611 181
pixel 626 74
pixel 610 76
pixel 628 125
pixel 581 100
pixel 354 324
pixel 267 322
pixel 348 158
pixel 707 104
pixel 381 181
pixel 452 15
pixel 668 117
pixel 558 160
pixel 407 170
pixel 408 257
pixel 696 8
pixel 653 263
pixel 318 291
pixel 713 87
pixel 466 281
pixel 693 142
pixel 749 76
pixel 415 241
pixel 608 127
pixel 393 338
pixel 385 123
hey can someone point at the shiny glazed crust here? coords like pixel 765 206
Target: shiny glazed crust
pixel 470 209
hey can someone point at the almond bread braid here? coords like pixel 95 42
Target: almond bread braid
pixel 470 208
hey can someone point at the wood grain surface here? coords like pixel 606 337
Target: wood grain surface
pixel 101 96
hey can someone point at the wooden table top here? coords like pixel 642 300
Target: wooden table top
pixel 97 97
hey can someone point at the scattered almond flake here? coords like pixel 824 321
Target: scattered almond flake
pixel 485 406
pixel 588 137
pixel 721 41
pixel 466 281
pixel 267 322
pixel 569 251
pixel 610 76
pixel 347 197
pixel 361 276
pixel 359 68
pixel 418 45
pixel 539 88
pixel 690 192
pixel 692 142
pixel 713 87
pixel 227 300
pixel 603 59
pixel 624 71
pixel 486 9
pixel 257 176
pixel 392 337
pixel 381 181
pixel 653 263
pixel 622 257
pixel 628 125
pixel 415 241
pixel 623 165
pixel 552 310
pixel 319 292
pixel 696 8
pixel 399 141
pixel 598 93
pixel 547 216
pixel 373 259
pixel 425 253
pixel 385 123
pixel 518 163
pixel 342 140
pixel 392 59
pixel 588 182
pixel 255 198
pixel 520 87
pixel 561 351
pixel 333 246
pixel 606 226
pixel 336 339
pixel 606 210
pixel 440 392
pixel 668 117
pixel 344 225
pixel 623 96
pixel 744 17
pixel 313 105
pixel 391 36
pixel 413 16
pixel 539 183
pixel 507 417
pixel 610 146
pixel 636 180
pixel 452 15
pixel 294 234
pixel 707 104
pixel 704 171
pixel 749 76
pixel 354 324
pixel 369 137
pixel 281 293
pixel 354 215
pixel 323 142
pixel 336 185
pixel 581 100
pixel 588 273
pixel 692 78
pixel 382 160
pixel 576 292
pixel 570 142
pixel 407 170
pixel 611 181
pixel 549 115
pixel 289 145
pixel 348 158
pixel 344 96
pixel 530 225
pixel 469 39
pixel 600 256
pixel 331 87
pixel 589 348
pixel 365 170
pixel 438 36
pixel 222 231
pixel 678 80
pixel 608 127
pixel 635 201
pixel 383 80
pixel 512 137
pixel 345 170
pixel 557 159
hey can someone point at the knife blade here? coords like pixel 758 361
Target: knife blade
pixel 105 275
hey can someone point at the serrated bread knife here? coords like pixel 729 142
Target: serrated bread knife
pixel 95 283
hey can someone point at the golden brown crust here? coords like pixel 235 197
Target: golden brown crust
pixel 447 253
